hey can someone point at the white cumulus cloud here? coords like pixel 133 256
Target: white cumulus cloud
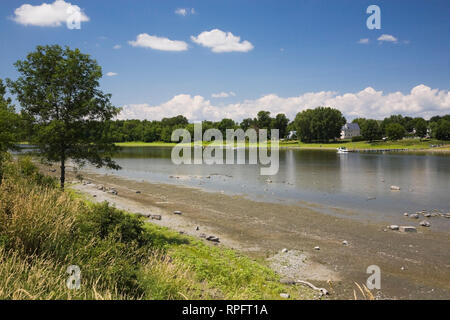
pixel 220 41
pixel 112 74
pixel 117 47
pixel 184 11
pixel 181 11
pixel 421 101
pixel 47 15
pixel 223 94
pixel 158 43
pixel 364 41
pixel 387 37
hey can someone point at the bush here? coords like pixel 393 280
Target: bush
pixel 27 169
pixel 103 221
pixel 357 138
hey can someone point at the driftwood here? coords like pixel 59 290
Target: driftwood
pixel 322 291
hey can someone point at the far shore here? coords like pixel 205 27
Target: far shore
pixel 414 265
pixel 407 145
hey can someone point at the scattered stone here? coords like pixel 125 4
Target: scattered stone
pixel 395 188
pixel 101 188
pixel 407 229
pixel 316 248
pixel 402 268
pixel 138 192
pixel 287 281
pixel 178 212
pixel 394 227
pixel 284 250
pixel 95 196
pixel 269 181
pixel 213 239
pixel 285 295
pixel 52 170
pixel 427 215
pixel 181 232
pixel 405 214
pixel 371 198
pixel 197 228
pixel 414 215
pixel 155 217
pixel 424 223
pixel 202 235
pixel 446 215
pixel 113 192
pixel 345 243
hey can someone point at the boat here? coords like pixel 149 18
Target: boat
pixel 342 150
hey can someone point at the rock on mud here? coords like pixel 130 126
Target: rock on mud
pixel 213 239
pixel 424 223
pixel 407 229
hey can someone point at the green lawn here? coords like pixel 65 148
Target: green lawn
pixel 411 144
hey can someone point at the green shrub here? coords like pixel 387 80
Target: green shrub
pixel 103 221
pixel 357 138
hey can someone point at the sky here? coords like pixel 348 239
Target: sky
pixel 224 58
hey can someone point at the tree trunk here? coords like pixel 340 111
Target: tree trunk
pixel 63 172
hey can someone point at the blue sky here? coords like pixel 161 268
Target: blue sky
pixel 292 55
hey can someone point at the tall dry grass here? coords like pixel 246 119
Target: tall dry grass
pixel 44 230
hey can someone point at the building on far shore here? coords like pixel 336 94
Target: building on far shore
pixel 292 135
pixel 350 130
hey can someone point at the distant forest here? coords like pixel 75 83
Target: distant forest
pixel 310 125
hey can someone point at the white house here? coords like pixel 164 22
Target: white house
pixel 350 130
pixel 292 135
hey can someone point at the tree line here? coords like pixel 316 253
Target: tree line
pixel 321 124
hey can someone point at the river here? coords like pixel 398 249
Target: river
pixel 353 184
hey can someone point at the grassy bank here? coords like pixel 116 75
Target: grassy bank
pixel 410 144
pixel 44 230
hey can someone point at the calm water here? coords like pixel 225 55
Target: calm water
pixel 356 181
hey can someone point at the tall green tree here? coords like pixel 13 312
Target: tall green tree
pixel 225 124
pixel 360 122
pixel 421 127
pixel 247 123
pixel 58 90
pixel 9 122
pixel 370 130
pixel 319 124
pixel 443 130
pixel 263 120
pixel 280 122
pixel 395 131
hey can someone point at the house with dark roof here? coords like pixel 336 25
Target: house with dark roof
pixel 350 130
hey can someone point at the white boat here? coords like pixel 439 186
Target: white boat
pixel 342 150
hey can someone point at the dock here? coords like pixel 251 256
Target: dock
pixel 377 150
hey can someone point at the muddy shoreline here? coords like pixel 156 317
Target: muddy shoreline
pixel 413 266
